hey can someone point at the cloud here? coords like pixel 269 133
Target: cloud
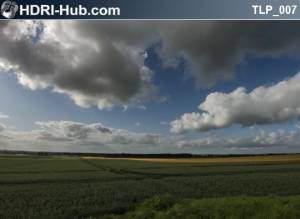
pixel 133 139
pixel 88 61
pixel 200 142
pixel 213 49
pixel 2 127
pixel 263 105
pixel 261 140
pixel 67 130
pixel 95 134
pixel 70 136
pixel 163 123
pixel 83 137
pixel 102 63
pixel 4 116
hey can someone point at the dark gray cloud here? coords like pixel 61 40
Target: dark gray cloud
pixel 102 63
pixel 74 59
pixel 214 48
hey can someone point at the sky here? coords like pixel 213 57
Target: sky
pixel 204 87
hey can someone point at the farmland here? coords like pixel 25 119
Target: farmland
pixel 83 187
pixel 165 207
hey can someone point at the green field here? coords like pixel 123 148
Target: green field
pixel 73 187
pixel 165 207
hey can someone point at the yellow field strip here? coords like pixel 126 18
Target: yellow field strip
pixel 267 158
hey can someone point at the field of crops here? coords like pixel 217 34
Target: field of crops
pixel 166 207
pixel 73 187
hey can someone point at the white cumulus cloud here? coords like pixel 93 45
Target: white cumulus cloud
pixel 263 105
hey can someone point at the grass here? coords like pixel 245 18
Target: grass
pixel 73 187
pixel 165 207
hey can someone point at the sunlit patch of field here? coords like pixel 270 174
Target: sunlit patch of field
pixel 242 159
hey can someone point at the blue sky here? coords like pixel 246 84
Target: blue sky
pixel 178 92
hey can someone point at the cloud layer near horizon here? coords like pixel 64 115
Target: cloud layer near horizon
pixel 102 63
pixel 95 134
pixel 75 136
pixel 263 105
